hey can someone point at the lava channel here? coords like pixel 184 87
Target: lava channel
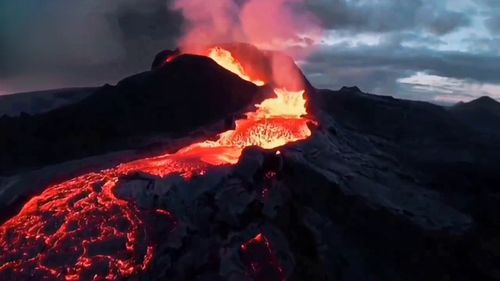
pixel 79 230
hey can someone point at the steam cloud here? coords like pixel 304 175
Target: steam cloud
pixel 269 24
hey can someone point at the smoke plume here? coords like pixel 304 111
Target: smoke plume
pixel 269 24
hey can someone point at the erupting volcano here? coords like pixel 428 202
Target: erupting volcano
pixel 81 230
pixel 230 158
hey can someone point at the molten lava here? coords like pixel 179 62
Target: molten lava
pixel 225 59
pixel 77 230
pixel 80 230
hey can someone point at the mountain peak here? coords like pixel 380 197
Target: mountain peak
pixel 353 89
pixel 482 103
pixel 485 100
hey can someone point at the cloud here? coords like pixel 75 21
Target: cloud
pixel 450 89
pixel 377 44
pixel 481 67
pixel 372 44
pixel 488 4
pixel 493 23
pixel 388 15
pixel 378 66
pixel 82 42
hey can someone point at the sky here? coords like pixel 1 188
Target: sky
pixel 440 51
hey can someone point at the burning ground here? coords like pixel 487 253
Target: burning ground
pixel 308 184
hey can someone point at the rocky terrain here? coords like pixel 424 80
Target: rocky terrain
pixel 385 189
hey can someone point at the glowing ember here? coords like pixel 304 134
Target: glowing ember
pixel 79 229
pixel 259 258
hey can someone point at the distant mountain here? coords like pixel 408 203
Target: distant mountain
pixel 389 117
pixel 483 114
pixel 41 101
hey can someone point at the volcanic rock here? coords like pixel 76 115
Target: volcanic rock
pixel 161 101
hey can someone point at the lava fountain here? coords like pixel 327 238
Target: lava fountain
pixel 80 230
pixel 225 59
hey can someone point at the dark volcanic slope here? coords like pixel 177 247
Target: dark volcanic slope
pixel 409 191
pixel 428 137
pixel 158 101
pixel 392 118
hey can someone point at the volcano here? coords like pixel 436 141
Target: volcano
pixel 212 167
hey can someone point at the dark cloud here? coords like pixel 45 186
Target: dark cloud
pixel 411 37
pixel 83 42
pixel 493 23
pixel 377 68
pixel 491 12
pixel 388 15
pixel 488 3
pixel 460 65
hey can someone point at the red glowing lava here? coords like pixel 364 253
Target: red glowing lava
pixel 79 229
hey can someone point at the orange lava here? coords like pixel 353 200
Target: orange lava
pixel 79 229
pixel 225 59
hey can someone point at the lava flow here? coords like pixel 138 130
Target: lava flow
pixel 80 230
